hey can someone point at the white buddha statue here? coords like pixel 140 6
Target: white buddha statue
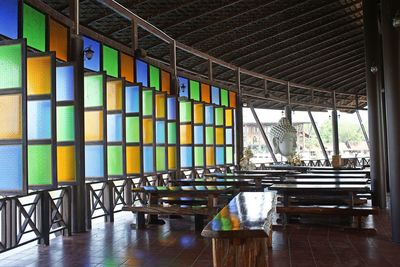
pixel 284 138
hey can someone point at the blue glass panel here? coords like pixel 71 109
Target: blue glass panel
pixel 186 157
pixel 114 127
pixel 228 136
pixel 209 114
pixel 148 159
pixel 11 168
pixel 94 161
pixel 65 83
pixel 215 95
pixel 39 119
pixel 198 135
pixel 183 87
pixel 142 72
pixel 160 132
pixel 132 99
pixel 94 63
pixel 9 18
pixel 220 156
pixel 171 102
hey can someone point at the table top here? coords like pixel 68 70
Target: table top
pixel 321 187
pixel 294 180
pixel 237 176
pixel 268 172
pixel 345 171
pixel 185 190
pixel 328 175
pixel 213 181
pixel 249 214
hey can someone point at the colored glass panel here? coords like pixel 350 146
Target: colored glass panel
pixel 93 126
pixel 165 82
pixel 10 66
pixel 127 67
pixel 183 87
pixel 160 132
pixel 198 135
pixel 209 113
pixel 147 131
pixel 39 119
pixel 10 117
pixel 228 117
pixel 198 156
pixel 132 130
pixel 110 61
pixel 195 90
pixel 93 85
pixel 205 93
pixel 232 99
pixel 114 127
pixel 66 164
pixel 186 157
pixel 220 156
pixel 94 161
pixel 198 113
pixel 133 159
pixel 160 159
pixel 224 98
pixel 11 168
pixel 132 99
pixel 9 18
pixel 148 163
pixel 142 72
pixel 210 157
pixel 154 77
pixel 65 123
pixel 114 160
pixel 160 106
pixel 65 83
pixel 171 108
pixel 186 134
pixel 58 42
pixel 219 116
pixel 228 137
pixel 147 102
pixel 171 157
pixel 229 155
pixel 34 28
pixel 209 135
pixel 94 62
pixel 171 133
pixel 39 165
pixel 185 111
pixel 219 136
pixel 215 95
pixel 39 80
pixel 114 95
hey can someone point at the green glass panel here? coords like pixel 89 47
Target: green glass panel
pixel 198 156
pixel 219 116
pixel 195 90
pixel 10 66
pixel 229 155
pixel 110 61
pixel 160 158
pixel 147 102
pixel 39 165
pixel 209 135
pixel 114 160
pixel 93 90
pixel 224 98
pixel 155 77
pixel 171 133
pixel 34 28
pixel 132 130
pixel 65 124
pixel 185 111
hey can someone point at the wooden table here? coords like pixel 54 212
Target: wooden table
pixel 328 175
pixel 342 171
pixel 213 181
pixel 266 172
pixel 257 178
pixel 241 231
pixel 295 180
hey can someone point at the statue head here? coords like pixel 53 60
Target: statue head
pixel 284 138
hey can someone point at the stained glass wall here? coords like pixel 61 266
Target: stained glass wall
pixel 172 132
pixel 148 130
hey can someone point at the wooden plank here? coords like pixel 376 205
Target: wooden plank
pixel 294 180
pixel 315 188
pixel 173 209
pixel 328 175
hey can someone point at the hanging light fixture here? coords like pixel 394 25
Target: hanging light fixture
pixel 88 52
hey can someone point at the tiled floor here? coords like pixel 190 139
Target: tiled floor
pixel 175 244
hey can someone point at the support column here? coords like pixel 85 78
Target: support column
pixel 321 144
pixel 335 132
pixel 373 78
pixel 239 120
pixel 391 63
pixel 288 113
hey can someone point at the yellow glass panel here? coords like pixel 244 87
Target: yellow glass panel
pixel 39 75
pixel 93 125
pixel 147 131
pixel 166 82
pixel 228 117
pixel 66 164
pixel 198 113
pixel 219 136
pixel 171 157
pixel 127 67
pixel 58 39
pixel 232 99
pixel 10 117
pixel 205 93
pixel 210 157
pixel 132 159
pixel 114 95
pixel 186 134
pixel 160 106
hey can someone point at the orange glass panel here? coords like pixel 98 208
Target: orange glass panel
pixel 228 117
pixel 210 157
pixel 132 159
pixel 232 99
pixel 198 113
pixel 114 95
pixel 171 157
pixel 66 164
pixel 166 82
pixel 219 136
pixel 58 39
pixel 147 131
pixel 205 93
pixel 10 117
pixel 127 67
pixel 160 106
pixel 93 125
pixel 39 75
pixel 186 134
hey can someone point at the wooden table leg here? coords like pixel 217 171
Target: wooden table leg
pixel 153 218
